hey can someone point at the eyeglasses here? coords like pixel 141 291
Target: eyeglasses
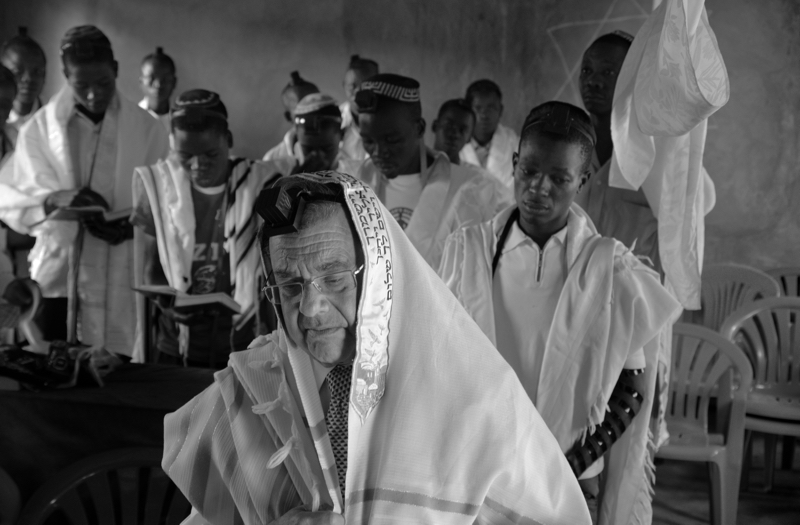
pixel 330 284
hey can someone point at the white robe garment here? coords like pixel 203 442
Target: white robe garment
pixel 501 149
pixel 42 165
pixel 611 306
pixel 453 196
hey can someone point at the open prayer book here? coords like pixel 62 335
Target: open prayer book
pixel 76 213
pixel 187 304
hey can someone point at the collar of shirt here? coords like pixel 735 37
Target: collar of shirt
pixel 478 147
pixel 516 237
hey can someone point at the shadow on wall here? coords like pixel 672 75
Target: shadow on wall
pixel 245 49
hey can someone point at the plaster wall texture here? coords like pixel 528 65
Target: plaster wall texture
pixel 245 50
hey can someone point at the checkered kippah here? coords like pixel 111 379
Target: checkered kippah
pixel 397 87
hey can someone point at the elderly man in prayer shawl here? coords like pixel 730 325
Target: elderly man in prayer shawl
pixel 353 412
pixel 195 218
pixel 26 60
pixel 81 149
pixel 576 315
pixel 358 70
pixel 429 196
pixel 158 81
pixel 492 143
pixel 292 94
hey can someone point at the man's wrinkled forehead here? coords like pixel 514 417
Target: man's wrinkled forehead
pixel 326 245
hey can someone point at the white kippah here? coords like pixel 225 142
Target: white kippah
pixel 314 102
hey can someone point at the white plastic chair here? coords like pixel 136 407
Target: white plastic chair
pixel 769 332
pixel 788 279
pixel 704 362
pixel 727 287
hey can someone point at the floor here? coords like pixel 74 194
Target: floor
pixel 682 494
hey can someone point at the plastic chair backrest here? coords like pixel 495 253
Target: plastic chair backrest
pixel 726 287
pixel 769 332
pixel 703 362
pixel 126 487
pixel 788 279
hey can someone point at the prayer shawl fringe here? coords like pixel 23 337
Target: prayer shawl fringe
pixel 611 305
pixel 673 79
pixel 168 189
pixel 129 137
pixel 423 447
pixel 453 196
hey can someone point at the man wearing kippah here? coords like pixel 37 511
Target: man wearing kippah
pixel 318 124
pixel 428 195
pixel 358 70
pixel 492 144
pixel 578 317
pixel 194 212
pixel 292 94
pixel 80 150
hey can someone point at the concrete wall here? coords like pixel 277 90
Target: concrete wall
pixel 245 49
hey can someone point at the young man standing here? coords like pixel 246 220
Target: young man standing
pixel 195 211
pixel 358 70
pixel 81 149
pixel 428 195
pixel 292 94
pixel 492 144
pixel 453 128
pixel 158 81
pixel 318 123
pixel 576 315
pixel 25 58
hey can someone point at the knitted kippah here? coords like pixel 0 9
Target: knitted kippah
pixel 199 103
pixel 397 87
pixel 318 104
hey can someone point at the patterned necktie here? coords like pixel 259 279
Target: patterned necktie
pixel 336 419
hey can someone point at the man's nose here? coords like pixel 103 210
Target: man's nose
pixel 312 302
pixel 194 162
pixel 594 80
pixel 540 185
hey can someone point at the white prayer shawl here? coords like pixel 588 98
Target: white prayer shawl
pixel 168 189
pixel 165 119
pixel 15 121
pixel 611 305
pixel 673 79
pixel 129 137
pixel 440 429
pixel 287 148
pixel 452 196
pixel 352 146
pixel 503 145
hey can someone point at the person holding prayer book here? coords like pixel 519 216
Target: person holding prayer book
pixel 80 150
pixel 194 214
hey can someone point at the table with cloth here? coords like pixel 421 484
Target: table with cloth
pixel 43 432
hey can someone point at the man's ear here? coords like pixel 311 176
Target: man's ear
pixel 421 127
pixel 515 159
pixel 584 179
pixel 501 109
pixel 229 136
pixel 435 125
pixel 287 116
pixel 115 67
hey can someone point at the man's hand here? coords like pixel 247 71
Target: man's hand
pixel 73 198
pixel 114 232
pixel 301 516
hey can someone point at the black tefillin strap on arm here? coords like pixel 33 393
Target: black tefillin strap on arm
pixel 625 402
